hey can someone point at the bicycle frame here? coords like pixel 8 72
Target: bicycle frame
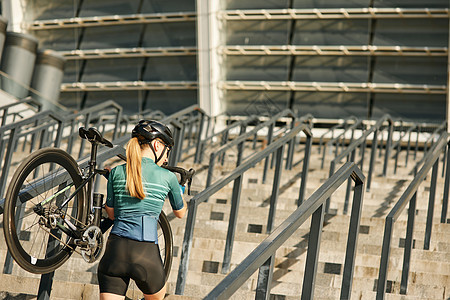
pixel 72 230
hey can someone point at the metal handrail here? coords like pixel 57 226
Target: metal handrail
pixel 410 196
pixel 179 121
pixel 30 103
pixel 153 114
pixel 437 131
pixel 336 140
pixel 397 145
pixel 341 124
pixel 202 117
pixel 263 257
pixel 33 93
pixel 86 116
pixel 41 123
pixel 242 138
pixel 350 153
pixel 224 133
pixel 237 176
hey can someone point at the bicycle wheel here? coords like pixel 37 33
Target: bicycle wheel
pixel 34 236
pixel 165 242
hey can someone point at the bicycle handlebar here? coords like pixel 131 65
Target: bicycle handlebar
pixel 186 176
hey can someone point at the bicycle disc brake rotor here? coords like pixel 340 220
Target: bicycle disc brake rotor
pixel 94 238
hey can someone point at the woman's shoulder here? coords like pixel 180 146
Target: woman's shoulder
pixel 120 169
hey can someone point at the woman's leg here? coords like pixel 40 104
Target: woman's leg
pixel 156 296
pixel 109 296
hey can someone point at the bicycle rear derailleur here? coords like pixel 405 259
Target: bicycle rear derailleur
pixel 91 244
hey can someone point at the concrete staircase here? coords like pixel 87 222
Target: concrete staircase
pixel 429 276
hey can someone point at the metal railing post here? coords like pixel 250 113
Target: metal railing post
pixel 275 189
pixel 265 275
pixel 189 133
pixel 46 282
pixel 235 199
pixel 290 154
pixel 446 188
pixel 384 262
pixel 408 244
pixel 416 147
pixel 352 238
pixel 328 202
pixel 201 154
pixel 429 224
pixel 180 134
pixel 372 159
pixel 71 137
pixel 212 161
pixel 363 154
pixel 223 141
pixel 8 157
pixel 240 153
pixel 408 148
pixel 312 256
pixel 388 148
pixel 323 155
pixel 305 168
pixel 351 158
pixel 186 248
pixel 266 162
pixel 290 151
pixel 199 137
pixel 9 261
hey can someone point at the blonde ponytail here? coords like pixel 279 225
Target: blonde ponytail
pixel 134 169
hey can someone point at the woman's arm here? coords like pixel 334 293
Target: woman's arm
pixel 181 212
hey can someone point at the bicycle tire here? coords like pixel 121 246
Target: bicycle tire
pixel 165 242
pixel 43 173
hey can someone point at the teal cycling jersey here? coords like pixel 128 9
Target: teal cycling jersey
pixel 135 218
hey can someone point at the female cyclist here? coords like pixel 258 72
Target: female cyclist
pixel 136 194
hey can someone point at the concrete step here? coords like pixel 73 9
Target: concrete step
pixel 429 269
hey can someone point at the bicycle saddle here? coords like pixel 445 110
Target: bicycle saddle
pixel 94 136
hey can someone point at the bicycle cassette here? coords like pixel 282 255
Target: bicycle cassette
pixel 93 241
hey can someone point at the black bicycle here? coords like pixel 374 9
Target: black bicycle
pixel 51 210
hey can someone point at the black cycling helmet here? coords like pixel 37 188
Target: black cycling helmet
pixel 146 131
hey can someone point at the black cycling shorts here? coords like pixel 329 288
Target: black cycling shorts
pixel 124 259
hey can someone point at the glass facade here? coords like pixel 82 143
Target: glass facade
pixel 332 59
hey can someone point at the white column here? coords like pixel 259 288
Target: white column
pixel 448 81
pixel 209 39
pixel 14 11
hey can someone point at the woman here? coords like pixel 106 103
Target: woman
pixel 136 194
